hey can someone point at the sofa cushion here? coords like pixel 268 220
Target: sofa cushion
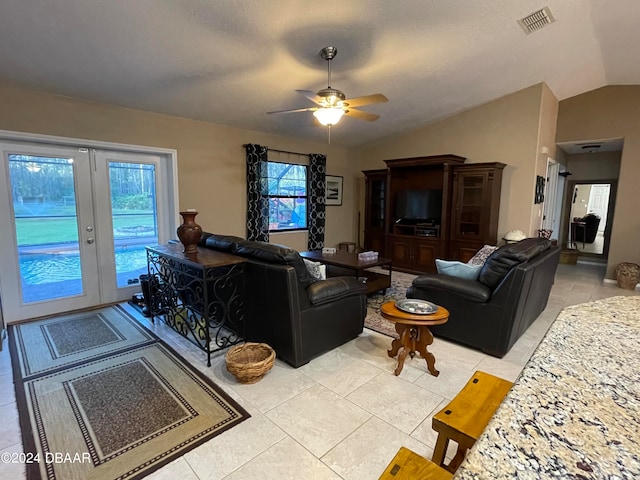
pixel 508 256
pixel 464 288
pixel 278 254
pixel 222 243
pixel 458 269
pixel 334 288
pixel 203 238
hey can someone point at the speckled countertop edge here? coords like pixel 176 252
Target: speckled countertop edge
pixel 574 411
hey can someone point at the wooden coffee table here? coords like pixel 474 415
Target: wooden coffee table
pixel 414 333
pixel 349 261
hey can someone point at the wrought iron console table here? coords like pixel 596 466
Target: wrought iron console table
pixel 198 295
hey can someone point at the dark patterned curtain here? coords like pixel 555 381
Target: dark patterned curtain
pixel 316 194
pixel 257 201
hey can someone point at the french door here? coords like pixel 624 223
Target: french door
pixel 76 221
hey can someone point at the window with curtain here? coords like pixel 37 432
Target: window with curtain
pixel 285 192
pixel 287 195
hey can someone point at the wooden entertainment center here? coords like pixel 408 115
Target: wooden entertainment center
pixel 468 218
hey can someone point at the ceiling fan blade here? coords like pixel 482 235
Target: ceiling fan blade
pixel 360 115
pixel 366 100
pixel 309 109
pixel 310 95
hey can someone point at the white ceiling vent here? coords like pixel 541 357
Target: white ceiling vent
pixel 536 20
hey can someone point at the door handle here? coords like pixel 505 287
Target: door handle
pixel 90 240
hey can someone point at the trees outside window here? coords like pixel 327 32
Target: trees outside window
pixel 286 185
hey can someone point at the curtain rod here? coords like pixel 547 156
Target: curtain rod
pixel 286 151
pixel 283 151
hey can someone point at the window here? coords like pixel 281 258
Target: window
pixel 287 191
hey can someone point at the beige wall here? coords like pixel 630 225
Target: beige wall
pixel 211 161
pixel 579 207
pixel 546 142
pixel 594 166
pixel 611 112
pixel 510 129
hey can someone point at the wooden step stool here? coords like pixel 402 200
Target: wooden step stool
pixel 408 465
pixel 467 415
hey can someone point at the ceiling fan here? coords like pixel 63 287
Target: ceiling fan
pixel 332 103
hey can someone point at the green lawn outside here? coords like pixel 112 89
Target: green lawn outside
pixel 44 208
pixel 43 230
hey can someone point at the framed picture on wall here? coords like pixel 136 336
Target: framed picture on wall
pixel 539 196
pixel 333 192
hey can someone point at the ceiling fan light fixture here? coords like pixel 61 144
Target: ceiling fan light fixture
pixel 332 103
pixel 329 116
pixel 331 97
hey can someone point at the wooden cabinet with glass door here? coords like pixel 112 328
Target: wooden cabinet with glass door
pixel 476 206
pixel 375 210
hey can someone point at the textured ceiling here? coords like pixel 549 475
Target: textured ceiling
pixel 229 62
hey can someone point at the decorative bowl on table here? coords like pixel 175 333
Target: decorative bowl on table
pixel 416 306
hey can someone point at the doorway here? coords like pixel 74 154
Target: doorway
pixel 549 209
pixel 77 222
pixel 590 205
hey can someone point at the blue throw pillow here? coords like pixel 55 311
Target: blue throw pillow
pixel 458 269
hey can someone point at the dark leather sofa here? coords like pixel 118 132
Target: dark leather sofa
pixel 492 312
pixel 286 308
pixel 590 231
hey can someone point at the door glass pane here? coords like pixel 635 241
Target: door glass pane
pixel 471 205
pixel 134 217
pixel 46 225
pixel 378 188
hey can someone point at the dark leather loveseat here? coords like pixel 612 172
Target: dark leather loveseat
pixel 286 308
pixel 492 312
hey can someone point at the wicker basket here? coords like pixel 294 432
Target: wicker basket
pixel 569 257
pixel 627 275
pixel 250 362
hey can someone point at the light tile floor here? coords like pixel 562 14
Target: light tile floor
pixel 342 416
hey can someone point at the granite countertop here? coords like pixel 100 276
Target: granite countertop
pixel 574 411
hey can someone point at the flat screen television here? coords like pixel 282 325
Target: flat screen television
pixel 415 206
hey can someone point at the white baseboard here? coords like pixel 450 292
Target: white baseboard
pixel 615 282
pixel 591 262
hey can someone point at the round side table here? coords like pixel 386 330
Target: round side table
pixel 414 333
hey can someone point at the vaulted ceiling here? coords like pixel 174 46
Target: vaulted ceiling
pixel 229 62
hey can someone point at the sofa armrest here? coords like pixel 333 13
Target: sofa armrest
pixel 468 289
pixel 334 288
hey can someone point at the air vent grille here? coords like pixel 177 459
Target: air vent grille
pixel 537 20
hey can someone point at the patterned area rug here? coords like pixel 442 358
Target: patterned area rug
pixel 400 281
pixel 101 397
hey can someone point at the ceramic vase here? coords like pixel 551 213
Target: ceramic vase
pixel 189 232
